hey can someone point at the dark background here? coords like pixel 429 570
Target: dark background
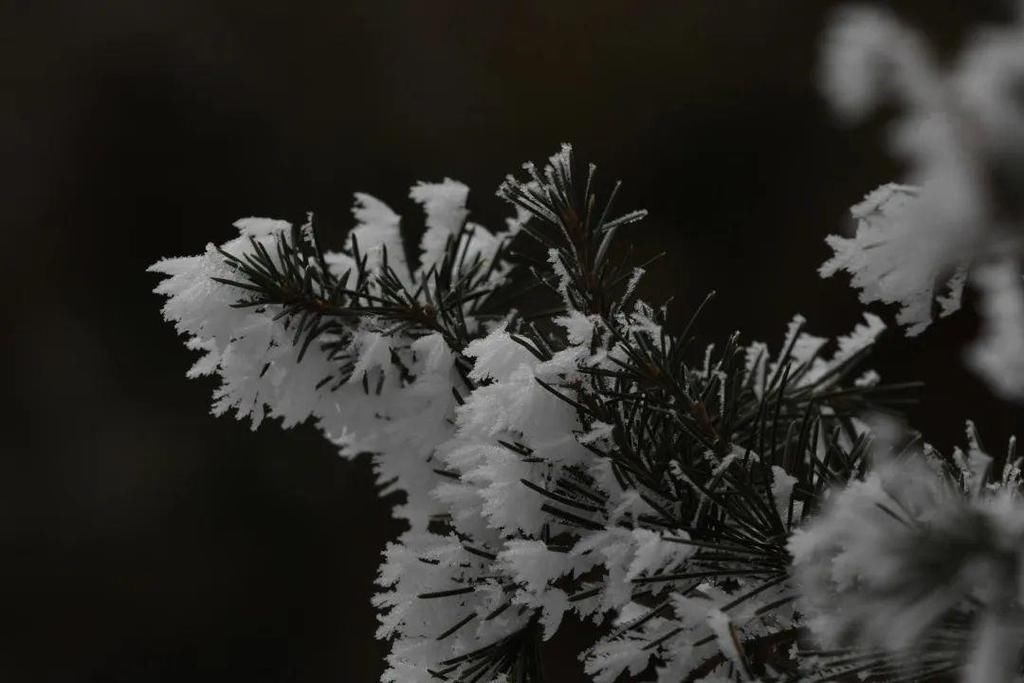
pixel 143 540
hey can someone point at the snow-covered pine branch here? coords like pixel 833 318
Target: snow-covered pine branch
pixel 957 215
pixel 353 339
pixel 736 514
pixel 575 463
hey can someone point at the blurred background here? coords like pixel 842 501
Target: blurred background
pixel 143 540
